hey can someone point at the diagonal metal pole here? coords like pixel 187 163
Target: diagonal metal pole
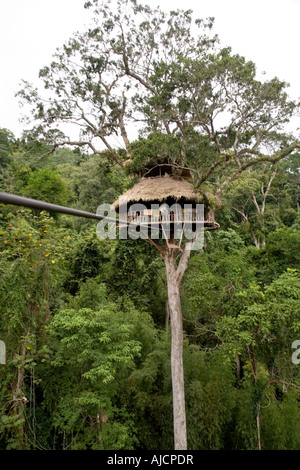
pixel 14 200
pixel 6 198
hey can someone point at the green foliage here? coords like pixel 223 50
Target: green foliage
pixel 89 258
pixel 280 253
pixel 281 420
pixel 137 273
pixel 211 281
pixel 283 246
pixel 100 349
pixel 268 318
pixel 5 145
pixel 82 318
pixel 209 395
pixel 47 184
pixel 88 358
pixel 32 267
pixel 156 145
pixel 260 331
pixel 93 181
pixel 209 406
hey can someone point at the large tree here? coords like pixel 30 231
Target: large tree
pixel 165 76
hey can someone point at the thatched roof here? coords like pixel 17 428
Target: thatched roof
pixel 160 189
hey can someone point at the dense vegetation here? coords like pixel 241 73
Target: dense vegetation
pixel 83 319
pixel 92 362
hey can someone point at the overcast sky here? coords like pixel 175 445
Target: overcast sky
pixel 264 31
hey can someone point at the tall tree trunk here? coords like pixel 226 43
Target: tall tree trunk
pixel 19 398
pixel 174 273
pixel 174 277
pixel 253 363
pixel 258 427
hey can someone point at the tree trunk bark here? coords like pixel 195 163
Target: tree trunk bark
pixel 19 399
pixel 174 304
pixel 258 428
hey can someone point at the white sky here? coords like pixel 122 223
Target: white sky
pixel 264 31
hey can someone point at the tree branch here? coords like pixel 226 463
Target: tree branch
pixel 265 158
pixel 266 192
pixel 123 129
pixel 282 382
pixel 183 263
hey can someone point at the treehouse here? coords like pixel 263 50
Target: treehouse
pixel 164 197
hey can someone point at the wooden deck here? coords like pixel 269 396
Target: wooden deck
pixel 162 223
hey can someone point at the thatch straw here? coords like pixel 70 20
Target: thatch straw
pixel 160 189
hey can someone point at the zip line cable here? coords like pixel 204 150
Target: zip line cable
pixel 14 200
pixel 6 198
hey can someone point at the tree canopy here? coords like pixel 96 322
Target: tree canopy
pixel 143 72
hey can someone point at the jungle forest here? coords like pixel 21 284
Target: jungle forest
pixel 136 344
